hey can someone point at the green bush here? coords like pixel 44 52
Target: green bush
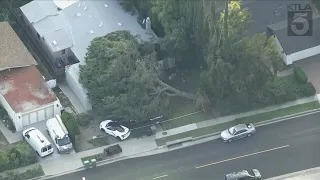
pixel 29 174
pixel 300 75
pixel 83 120
pixel 19 156
pixel 72 126
pixel 278 91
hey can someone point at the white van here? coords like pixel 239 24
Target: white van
pixel 59 134
pixel 37 141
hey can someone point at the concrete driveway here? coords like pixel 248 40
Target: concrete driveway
pixel 42 127
pixel 311 67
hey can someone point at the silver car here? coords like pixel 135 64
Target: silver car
pixel 252 174
pixel 237 132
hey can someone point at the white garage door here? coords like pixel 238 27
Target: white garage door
pixel 36 116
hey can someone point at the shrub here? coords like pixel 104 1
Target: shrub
pixel 71 125
pixel 20 155
pixel 29 174
pixel 300 75
pixel 84 120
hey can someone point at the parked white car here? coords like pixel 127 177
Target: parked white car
pixel 59 134
pixel 37 141
pixel 237 132
pixel 114 129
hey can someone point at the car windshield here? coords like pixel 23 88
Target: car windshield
pixel 251 173
pixel 115 126
pixel 64 141
pixel 232 130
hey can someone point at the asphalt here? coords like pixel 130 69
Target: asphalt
pixel 275 149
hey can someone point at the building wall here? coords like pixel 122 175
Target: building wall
pixel 43 44
pixel 10 111
pixel 303 54
pixel 72 79
pixel 281 51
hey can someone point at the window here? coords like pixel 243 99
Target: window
pixel 44 149
pixel 63 51
pixel 38 36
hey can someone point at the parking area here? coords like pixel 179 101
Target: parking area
pixel 311 67
pixel 42 127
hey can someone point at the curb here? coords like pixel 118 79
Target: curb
pixel 99 163
pixel 290 175
pixel 195 140
pixel 267 122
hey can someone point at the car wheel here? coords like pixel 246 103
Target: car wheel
pixel 48 132
pixel 101 129
pixel 230 140
pixel 249 134
pixel 118 138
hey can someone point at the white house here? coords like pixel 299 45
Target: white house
pixel 67 29
pixel 295 48
pixel 23 91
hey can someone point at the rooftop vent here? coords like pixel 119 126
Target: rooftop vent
pixel 91 32
pixel 90 16
pixel 85 8
pixel 119 24
pixel 79 4
pixel 78 14
pixel 100 25
pixel 54 42
pixel 83 3
pixel 106 5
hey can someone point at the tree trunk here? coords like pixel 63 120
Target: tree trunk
pixel 226 14
pixel 176 92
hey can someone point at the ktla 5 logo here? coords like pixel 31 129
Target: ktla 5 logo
pixel 299 20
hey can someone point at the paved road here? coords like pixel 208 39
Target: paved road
pixel 275 149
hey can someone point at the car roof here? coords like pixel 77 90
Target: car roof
pixel 237 174
pixel 240 127
pixel 112 124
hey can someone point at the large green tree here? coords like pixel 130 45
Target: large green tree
pixel 237 65
pixel 123 78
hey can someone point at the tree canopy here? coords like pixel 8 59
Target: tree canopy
pixel 124 80
pixel 116 77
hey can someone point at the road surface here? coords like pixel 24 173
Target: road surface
pixel 275 149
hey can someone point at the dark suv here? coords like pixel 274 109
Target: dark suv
pixel 252 174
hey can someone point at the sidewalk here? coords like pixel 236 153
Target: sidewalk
pixel 229 118
pixel 309 174
pixel 73 162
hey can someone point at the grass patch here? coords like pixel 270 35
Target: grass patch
pixel 252 119
pixel 99 141
pixel 279 113
pixel 184 120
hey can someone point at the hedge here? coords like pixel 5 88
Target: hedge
pixel 29 174
pixel 19 156
pixel 72 126
pixel 278 91
pixel 300 75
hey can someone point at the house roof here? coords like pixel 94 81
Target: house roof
pixel 269 12
pixel 24 89
pixel 99 17
pixel 79 23
pixel 13 53
pixel 39 9
pixel 292 44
